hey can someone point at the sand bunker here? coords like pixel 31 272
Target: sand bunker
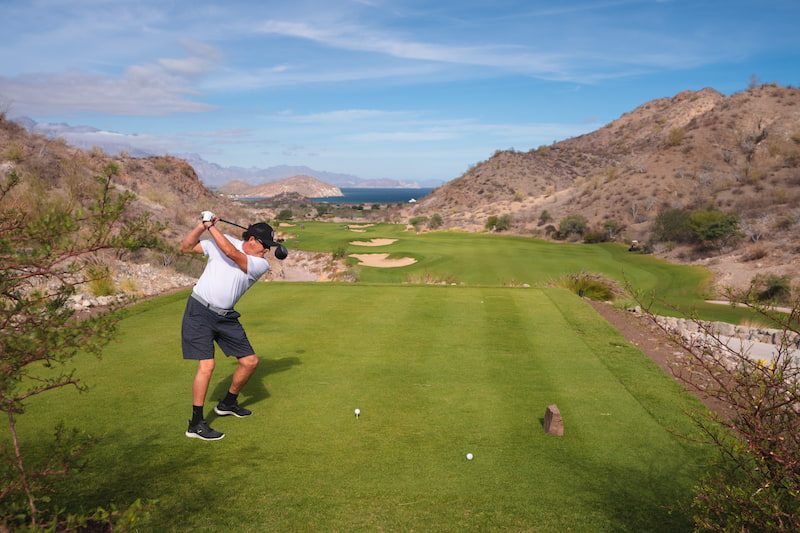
pixel 358 227
pixel 374 242
pixel 382 261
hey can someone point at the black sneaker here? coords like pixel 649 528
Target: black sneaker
pixel 202 431
pixel 224 410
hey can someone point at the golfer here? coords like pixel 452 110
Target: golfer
pixel 233 267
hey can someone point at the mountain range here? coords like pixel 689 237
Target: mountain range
pixel 211 174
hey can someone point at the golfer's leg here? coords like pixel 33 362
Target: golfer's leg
pixel 247 365
pixel 205 367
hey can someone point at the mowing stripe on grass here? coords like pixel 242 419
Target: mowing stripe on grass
pixel 436 371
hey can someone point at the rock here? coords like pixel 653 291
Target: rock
pixel 553 423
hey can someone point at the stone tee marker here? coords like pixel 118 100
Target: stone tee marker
pixel 553 424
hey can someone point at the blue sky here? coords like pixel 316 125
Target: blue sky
pixel 402 89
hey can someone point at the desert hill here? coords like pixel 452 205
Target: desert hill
pixel 739 154
pixel 54 174
pixel 696 150
pixel 302 185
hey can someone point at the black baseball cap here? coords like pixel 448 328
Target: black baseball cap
pixel 263 233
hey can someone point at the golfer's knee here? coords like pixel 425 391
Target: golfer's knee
pixel 206 367
pixel 250 362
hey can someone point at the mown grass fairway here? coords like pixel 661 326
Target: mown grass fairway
pixel 437 372
pixel 492 259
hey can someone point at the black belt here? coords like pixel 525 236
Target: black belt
pixel 218 310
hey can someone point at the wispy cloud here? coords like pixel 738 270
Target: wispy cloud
pixel 155 89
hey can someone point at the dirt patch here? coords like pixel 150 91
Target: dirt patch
pixel 383 261
pixel 374 242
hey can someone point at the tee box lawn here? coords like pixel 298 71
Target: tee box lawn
pixel 436 371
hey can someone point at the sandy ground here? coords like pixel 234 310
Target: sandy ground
pixel 374 242
pixel 382 260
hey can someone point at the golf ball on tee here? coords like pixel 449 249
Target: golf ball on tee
pixel 469 457
pixel 358 412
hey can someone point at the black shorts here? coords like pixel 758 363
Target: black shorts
pixel 202 327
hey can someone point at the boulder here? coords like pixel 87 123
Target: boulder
pixel 553 423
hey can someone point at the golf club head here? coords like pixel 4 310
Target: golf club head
pixel 281 252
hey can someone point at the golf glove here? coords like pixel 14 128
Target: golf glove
pixel 207 216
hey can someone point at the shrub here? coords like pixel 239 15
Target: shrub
pixel 504 222
pixel 436 221
pixel 14 152
pixel 714 226
pixel 544 217
pixel 593 237
pixel 671 225
pixel 573 224
pixel 100 280
pixel 588 285
pixel 418 221
pixel 772 288
pixel 755 252
pixel 285 214
pixel 753 484
pixel 676 136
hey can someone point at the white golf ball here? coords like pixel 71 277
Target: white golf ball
pixel 469 457
pixel 358 412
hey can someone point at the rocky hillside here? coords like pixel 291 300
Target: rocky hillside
pixel 302 185
pixel 693 151
pixel 54 173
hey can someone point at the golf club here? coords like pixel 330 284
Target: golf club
pixel 231 223
pixel 280 251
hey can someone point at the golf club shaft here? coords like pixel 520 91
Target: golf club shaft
pixel 231 223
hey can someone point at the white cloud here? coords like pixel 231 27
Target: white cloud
pixel 154 89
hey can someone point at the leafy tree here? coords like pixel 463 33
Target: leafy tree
pixel 285 214
pixel 42 262
pixel 436 221
pixel 573 224
pixel 714 226
pixel 610 228
pixel 504 222
pixel 671 225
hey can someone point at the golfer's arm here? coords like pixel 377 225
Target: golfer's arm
pixel 191 242
pixel 228 248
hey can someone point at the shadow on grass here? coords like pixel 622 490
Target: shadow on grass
pixel 255 391
pixel 635 499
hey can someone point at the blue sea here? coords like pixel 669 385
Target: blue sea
pixel 376 196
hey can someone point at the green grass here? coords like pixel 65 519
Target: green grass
pixel 437 371
pixel 491 259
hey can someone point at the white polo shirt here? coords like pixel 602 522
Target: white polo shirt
pixel 223 282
